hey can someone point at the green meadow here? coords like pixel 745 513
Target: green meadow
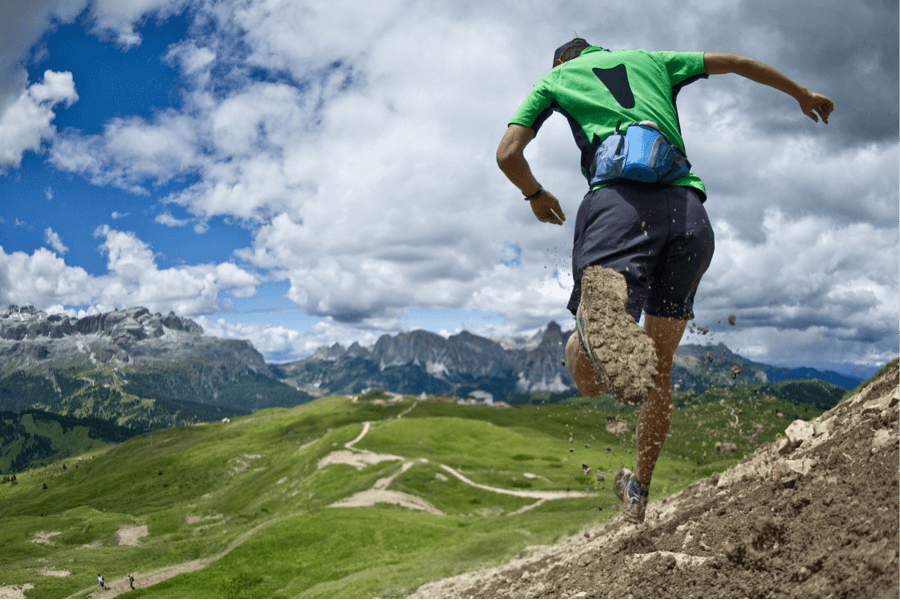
pixel 241 509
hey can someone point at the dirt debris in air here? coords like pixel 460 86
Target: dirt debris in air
pixel 815 514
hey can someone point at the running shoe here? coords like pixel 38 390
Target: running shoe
pixel 621 353
pixel 633 495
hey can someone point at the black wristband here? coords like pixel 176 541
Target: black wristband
pixel 536 194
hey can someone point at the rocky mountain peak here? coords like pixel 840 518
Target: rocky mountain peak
pixel 332 353
pixel 27 322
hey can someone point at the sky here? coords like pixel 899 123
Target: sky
pixel 303 173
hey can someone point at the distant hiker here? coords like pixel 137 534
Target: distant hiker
pixel 131 581
pixel 642 237
pixel 101 581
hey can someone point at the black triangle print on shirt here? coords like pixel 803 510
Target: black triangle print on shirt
pixel 616 81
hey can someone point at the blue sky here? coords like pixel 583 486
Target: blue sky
pixel 299 174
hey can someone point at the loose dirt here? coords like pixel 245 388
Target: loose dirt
pixel 622 354
pixel 14 591
pixel 616 425
pixel 53 573
pixel 130 535
pixel 379 494
pixel 43 537
pixel 815 514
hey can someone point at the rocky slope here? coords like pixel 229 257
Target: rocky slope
pixel 813 515
pixel 130 366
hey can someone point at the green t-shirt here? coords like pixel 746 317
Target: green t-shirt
pixel 600 88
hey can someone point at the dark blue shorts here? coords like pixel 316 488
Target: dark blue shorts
pixel 657 236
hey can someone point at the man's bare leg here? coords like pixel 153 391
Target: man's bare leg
pixel 656 412
pixel 580 367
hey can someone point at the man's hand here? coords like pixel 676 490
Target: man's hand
pixel 818 103
pixel 547 210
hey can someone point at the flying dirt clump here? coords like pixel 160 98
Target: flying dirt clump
pixel 814 514
pixel 616 425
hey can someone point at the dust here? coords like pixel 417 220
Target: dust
pixel 814 514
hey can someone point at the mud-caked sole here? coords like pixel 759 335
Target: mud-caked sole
pixel 622 354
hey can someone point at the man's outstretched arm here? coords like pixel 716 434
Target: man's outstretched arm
pixel 717 63
pixel 511 160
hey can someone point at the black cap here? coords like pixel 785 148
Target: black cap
pixel 576 42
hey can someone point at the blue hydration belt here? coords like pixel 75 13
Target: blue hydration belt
pixel 642 154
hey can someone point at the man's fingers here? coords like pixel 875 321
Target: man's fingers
pixel 546 208
pixel 555 218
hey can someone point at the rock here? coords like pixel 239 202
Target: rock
pixel 823 427
pixel 799 431
pixel 784 446
pixel 801 466
pixel 882 438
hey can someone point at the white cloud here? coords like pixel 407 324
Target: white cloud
pixel 41 279
pixel 282 344
pixel 133 278
pixel 168 220
pixel 131 151
pixel 26 123
pixel 360 154
pixel 118 17
pixel 54 241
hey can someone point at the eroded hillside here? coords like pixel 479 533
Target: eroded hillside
pixel 814 514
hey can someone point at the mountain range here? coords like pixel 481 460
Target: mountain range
pixel 145 371
pixel 421 361
pixel 132 368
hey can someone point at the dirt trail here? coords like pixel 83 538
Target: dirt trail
pixel 407 411
pixel 379 494
pixel 146 579
pixel 519 493
pixel 815 514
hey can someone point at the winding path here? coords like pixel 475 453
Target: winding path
pixel 378 493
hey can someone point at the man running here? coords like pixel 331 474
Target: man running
pixel 639 246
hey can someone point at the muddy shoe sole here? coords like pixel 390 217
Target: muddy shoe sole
pixel 623 356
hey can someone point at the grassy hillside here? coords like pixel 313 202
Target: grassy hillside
pixel 34 438
pixel 241 509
